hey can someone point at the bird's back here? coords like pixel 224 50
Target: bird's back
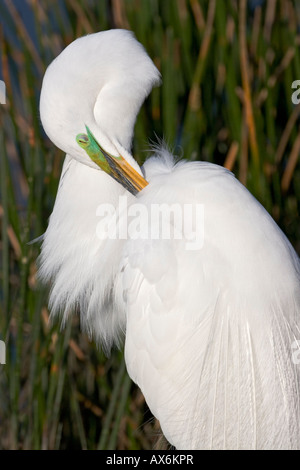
pixel 210 331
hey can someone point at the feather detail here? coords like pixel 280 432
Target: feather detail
pixel 218 347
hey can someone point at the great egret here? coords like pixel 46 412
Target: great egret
pixel 211 334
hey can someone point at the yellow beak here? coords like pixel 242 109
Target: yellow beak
pixel 117 167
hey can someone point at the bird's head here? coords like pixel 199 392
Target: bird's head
pixel 91 95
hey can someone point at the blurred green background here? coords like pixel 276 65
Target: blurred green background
pixel 228 68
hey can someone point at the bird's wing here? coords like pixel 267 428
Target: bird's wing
pixel 209 338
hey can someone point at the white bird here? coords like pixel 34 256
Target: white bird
pixel 211 334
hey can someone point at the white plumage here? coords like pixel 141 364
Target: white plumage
pixel 208 332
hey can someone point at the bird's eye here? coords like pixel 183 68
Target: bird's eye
pixel 82 139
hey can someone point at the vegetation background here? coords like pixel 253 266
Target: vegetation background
pixel 228 68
